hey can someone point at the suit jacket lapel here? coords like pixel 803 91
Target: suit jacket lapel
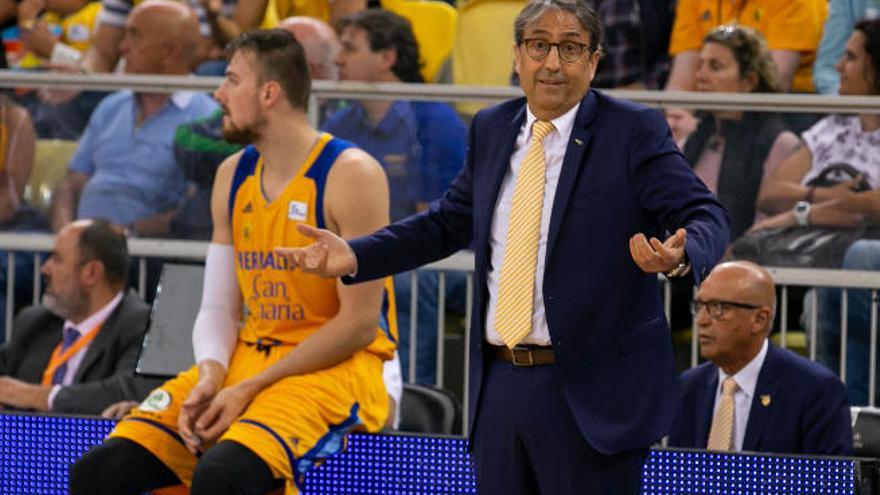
pixel 500 164
pixel 99 345
pixel 578 142
pixel 760 411
pixel 705 407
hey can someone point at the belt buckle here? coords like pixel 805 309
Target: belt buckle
pixel 521 351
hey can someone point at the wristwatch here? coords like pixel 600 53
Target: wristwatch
pixel 802 213
pixel 681 269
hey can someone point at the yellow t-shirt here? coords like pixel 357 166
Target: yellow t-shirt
pixel 312 8
pixel 786 25
pixel 282 303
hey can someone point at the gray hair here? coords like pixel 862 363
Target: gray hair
pixel 579 8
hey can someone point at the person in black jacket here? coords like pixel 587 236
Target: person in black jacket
pixel 733 151
pixel 76 353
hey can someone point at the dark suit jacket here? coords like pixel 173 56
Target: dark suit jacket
pixel 621 174
pixel 106 373
pixel 807 411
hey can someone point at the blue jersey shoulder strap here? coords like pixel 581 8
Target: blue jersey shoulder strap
pixel 321 168
pixel 245 168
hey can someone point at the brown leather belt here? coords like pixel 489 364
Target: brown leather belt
pixel 524 356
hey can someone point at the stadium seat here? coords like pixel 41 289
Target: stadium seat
pixel 483 48
pixel 433 24
pixel 427 409
pixel 50 165
pixel 866 431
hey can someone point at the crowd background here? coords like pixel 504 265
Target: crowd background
pixel 147 162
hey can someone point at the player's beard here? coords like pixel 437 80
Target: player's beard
pixel 245 135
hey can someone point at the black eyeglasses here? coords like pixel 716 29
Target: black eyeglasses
pixel 716 308
pixel 568 51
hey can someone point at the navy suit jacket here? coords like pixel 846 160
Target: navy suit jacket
pixel 622 174
pixel 805 408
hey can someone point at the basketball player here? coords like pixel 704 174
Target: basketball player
pixel 267 402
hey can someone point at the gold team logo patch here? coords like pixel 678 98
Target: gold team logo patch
pixel 157 401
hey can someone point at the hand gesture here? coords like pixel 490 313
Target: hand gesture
pixel 59 96
pixel 658 257
pixel 28 11
pixel 329 256
pixel 224 409
pixel 38 39
pixel 119 409
pixel 192 409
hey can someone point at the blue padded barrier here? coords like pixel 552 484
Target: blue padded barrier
pixel 37 450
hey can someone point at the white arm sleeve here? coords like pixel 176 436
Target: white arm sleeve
pixel 215 331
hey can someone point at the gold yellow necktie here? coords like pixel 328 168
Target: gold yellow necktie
pixel 513 318
pixel 721 433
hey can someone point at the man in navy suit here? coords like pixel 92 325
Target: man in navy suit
pixel 574 405
pixel 782 402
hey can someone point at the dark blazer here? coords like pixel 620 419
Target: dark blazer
pixel 621 174
pixel 106 373
pixel 807 411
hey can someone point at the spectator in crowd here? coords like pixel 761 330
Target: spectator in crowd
pixel 248 14
pixel 104 52
pixel 57 32
pixel 635 50
pixel 421 145
pixel 76 353
pixel 792 29
pixel 124 167
pixel 733 151
pixel 58 36
pixel 838 144
pixel 751 395
pixel 17 143
pixel 842 16
pixel 319 42
pixel 861 255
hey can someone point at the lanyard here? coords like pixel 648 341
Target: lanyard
pixel 58 358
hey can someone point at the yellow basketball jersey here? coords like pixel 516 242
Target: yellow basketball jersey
pixel 283 304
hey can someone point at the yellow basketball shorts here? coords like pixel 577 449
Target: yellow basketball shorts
pixel 292 425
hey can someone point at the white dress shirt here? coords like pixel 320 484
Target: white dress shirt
pixel 747 380
pixel 85 328
pixel 555 145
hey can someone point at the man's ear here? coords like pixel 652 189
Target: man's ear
pixel 389 58
pixel 517 58
pixel 91 273
pixel 270 93
pixel 762 321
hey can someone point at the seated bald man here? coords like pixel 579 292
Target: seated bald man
pixel 751 395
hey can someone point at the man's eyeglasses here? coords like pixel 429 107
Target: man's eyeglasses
pixel 568 51
pixel 716 309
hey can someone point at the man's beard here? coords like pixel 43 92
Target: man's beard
pixel 240 135
pixel 64 307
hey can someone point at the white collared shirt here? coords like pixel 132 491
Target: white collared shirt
pixel 555 145
pixel 746 379
pixel 181 99
pixel 85 327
